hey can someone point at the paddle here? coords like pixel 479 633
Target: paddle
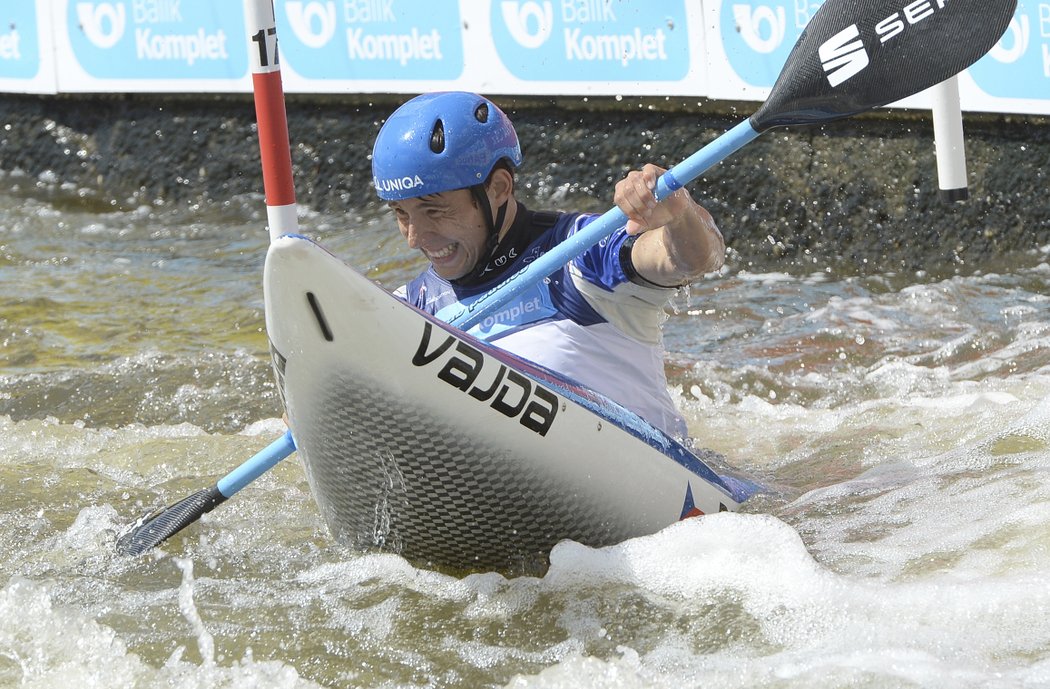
pixel 168 521
pixel 282 219
pixel 854 55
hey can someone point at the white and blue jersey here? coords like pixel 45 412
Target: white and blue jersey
pixel 587 321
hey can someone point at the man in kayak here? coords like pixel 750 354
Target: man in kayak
pixel 444 163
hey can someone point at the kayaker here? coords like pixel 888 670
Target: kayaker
pixel 444 163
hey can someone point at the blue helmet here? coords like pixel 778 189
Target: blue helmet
pixel 439 142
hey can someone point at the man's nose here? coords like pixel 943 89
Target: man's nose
pixel 415 231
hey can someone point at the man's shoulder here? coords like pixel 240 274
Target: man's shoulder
pixel 551 227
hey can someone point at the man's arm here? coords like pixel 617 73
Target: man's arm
pixel 679 240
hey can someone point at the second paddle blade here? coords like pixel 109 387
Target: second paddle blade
pixel 856 55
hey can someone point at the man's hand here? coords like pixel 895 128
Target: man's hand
pixel 635 195
pixel 680 241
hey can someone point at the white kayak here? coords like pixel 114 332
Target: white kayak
pixel 419 439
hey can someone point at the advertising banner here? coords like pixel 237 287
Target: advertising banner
pixel 371 45
pixel 1015 75
pixel 571 47
pixel 751 40
pixel 150 45
pixel 719 49
pixel 565 47
pixel 26 53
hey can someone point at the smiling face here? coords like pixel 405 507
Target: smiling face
pixel 448 228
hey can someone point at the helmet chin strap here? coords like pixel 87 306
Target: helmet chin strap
pixel 494 224
pixel 493 241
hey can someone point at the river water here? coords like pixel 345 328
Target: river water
pixel 901 421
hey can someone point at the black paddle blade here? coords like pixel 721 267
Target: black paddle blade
pixel 165 523
pixel 855 55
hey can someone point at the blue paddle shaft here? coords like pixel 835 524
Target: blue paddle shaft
pixel 613 219
pixel 259 464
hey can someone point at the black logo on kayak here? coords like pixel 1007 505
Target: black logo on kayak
pixel 511 393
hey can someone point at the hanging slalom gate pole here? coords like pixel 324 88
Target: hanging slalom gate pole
pixel 948 141
pixel 272 119
pixel 282 218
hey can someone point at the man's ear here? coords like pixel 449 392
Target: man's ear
pixel 500 187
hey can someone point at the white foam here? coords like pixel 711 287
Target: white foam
pixel 44 645
pixel 817 627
